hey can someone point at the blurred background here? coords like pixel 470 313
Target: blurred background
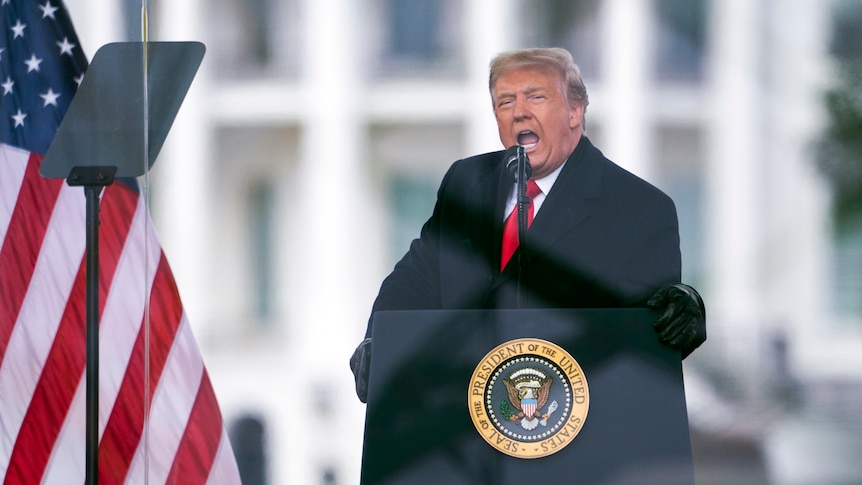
pixel 309 149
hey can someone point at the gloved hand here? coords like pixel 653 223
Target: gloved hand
pixel 682 323
pixel 360 363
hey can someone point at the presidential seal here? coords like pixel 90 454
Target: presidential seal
pixel 528 398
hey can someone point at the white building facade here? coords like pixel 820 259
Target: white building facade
pixel 309 149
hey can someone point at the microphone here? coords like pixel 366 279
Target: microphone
pixel 513 155
pixel 518 165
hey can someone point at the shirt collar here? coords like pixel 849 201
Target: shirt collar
pixel 545 183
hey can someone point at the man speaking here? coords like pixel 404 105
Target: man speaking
pixel 594 235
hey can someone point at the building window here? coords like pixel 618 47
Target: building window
pixel 847 276
pixel 248 440
pixel 414 29
pixel 680 39
pixel 254 37
pixel 412 201
pixel 329 476
pixel 420 38
pixel 262 219
pixel 846 32
pixel 679 159
pixel 571 24
pixel 411 161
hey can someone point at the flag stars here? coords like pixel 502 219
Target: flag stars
pixel 18 29
pixel 33 63
pixel 50 98
pixel 48 10
pixel 7 86
pixel 65 46
pixel 18 118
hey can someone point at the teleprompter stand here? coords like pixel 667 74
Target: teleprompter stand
pixel 419 427
pixel 115 127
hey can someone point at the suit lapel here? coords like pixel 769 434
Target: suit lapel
pixel 502 182
pixel 569 204
pixel 571 200
pixel 488 199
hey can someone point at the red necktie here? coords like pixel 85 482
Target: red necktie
pixel 510 229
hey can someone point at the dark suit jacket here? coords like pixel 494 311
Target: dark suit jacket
pixel 603 238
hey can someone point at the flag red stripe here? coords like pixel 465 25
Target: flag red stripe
pixel 54 392
pixel 200 442
pixel 166 314
pixel 64 367
pixel 123 432
pixel 21 246
pixel 125 427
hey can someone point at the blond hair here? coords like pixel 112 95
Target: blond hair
pixel 553 58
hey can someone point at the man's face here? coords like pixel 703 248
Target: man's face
pixel 531 110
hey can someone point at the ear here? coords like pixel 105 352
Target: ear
pixel 576 115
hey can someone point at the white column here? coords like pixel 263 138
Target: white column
pixel 97 22
pixel 326 285
pixel 626 58
pixel 181 178
pixel 734 163
pixel 798 245
pixel 490 29
pixel 330 226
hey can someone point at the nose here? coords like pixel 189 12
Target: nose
pixel 521 109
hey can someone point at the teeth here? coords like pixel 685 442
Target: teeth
pixel 527 135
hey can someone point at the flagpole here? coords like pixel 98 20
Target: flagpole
pixel 145 39
pixel 94 180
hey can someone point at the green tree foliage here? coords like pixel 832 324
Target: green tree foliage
pixel 839 149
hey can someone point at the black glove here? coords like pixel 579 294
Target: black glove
pixel 360 363
pixel 682 323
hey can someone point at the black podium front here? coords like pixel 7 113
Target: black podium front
pixel 419 428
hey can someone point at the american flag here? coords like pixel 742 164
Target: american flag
pixel 181 437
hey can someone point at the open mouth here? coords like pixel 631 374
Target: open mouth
pixel 528 139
